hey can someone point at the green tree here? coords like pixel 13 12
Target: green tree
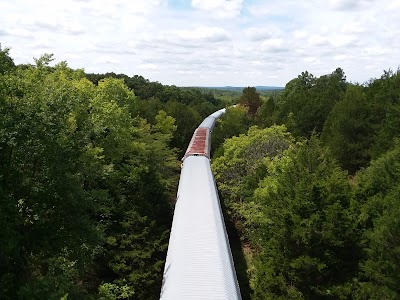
pixel 85 187
pixel 187 120
pixel 238 171
pixel 304 232
pixel 266 114
pixel 348 129
pixel 242 165
pixel 137 172
pixel 384 97
pixel 6 62
pixel 50 235
pixel 250 99
pixel 293 101
pixel 235 121
pixel 307 101
pixel 377 197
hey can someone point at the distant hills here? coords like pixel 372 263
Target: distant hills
pixel 240 88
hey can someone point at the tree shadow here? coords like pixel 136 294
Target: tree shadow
pixel 238 256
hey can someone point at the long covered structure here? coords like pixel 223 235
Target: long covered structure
pixel 199 262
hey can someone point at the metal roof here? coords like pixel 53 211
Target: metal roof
pixel 199 145
pixel 218 113
pixel 199 263
pixel 210 121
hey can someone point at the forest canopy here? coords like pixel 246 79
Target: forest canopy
pixel 312 190
pixel 309 180
pixel 88 176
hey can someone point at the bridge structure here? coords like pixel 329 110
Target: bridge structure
pixel 199 262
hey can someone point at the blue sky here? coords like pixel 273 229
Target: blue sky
pixel 208 42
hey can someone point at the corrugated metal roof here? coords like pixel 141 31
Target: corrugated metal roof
pixel 199 263
pixel 218 113
pixel 208 122
pixel 199 145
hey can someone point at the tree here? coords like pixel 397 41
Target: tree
pixel 377 195
pixel 266 112
pixel 6 62
pixel 44 60
pixel 43 128
pixel 250 99
pixel 307 101
pixel 293 102
pixel 348 129
pixel 241 166
pixel 384 96
pixel 238 170
pixel 85 187
pixel 137 172
pixel 306 242
pixel 187 121
pixel 235 121
pixel 363 124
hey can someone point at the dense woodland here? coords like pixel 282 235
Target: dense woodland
pixel 312 188
pixel 89 166
pixel 309 179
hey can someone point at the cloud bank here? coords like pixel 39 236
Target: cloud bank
pixel 208 42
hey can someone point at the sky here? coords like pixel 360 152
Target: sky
pixel 208 42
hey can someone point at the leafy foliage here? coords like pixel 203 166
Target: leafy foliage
pixel 85 186
pixel 384 96
pixel 308 230
pixel 88 172
pixel 235 121
pixel 347 130
pixel 250 99
pixel 364 123
pixel 306 101
pixel 188 106
pixel 266 113
pixel 242 165
pixel 377 198
pixel 6 62
pixel 305 234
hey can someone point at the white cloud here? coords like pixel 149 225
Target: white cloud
pixel 219 8
pixel 341 57
pixel 148 66
pixel 262 33
pixel 348 4
pixel 202 34
pixel 375 51
pixel 300 34
pixel 318 40
pixel 273 45
pixel 208 42
pixel 394 4
pixel 312 60
pixel 343 40
pixel 343 4
pixel 276 8
pixel 353 27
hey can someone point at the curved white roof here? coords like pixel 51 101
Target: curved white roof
pixel 199 263
pixel 218 113
pixel 208 122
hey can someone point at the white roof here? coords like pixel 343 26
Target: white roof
pixel 218 113
pixel 199 262
pixel 208 122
